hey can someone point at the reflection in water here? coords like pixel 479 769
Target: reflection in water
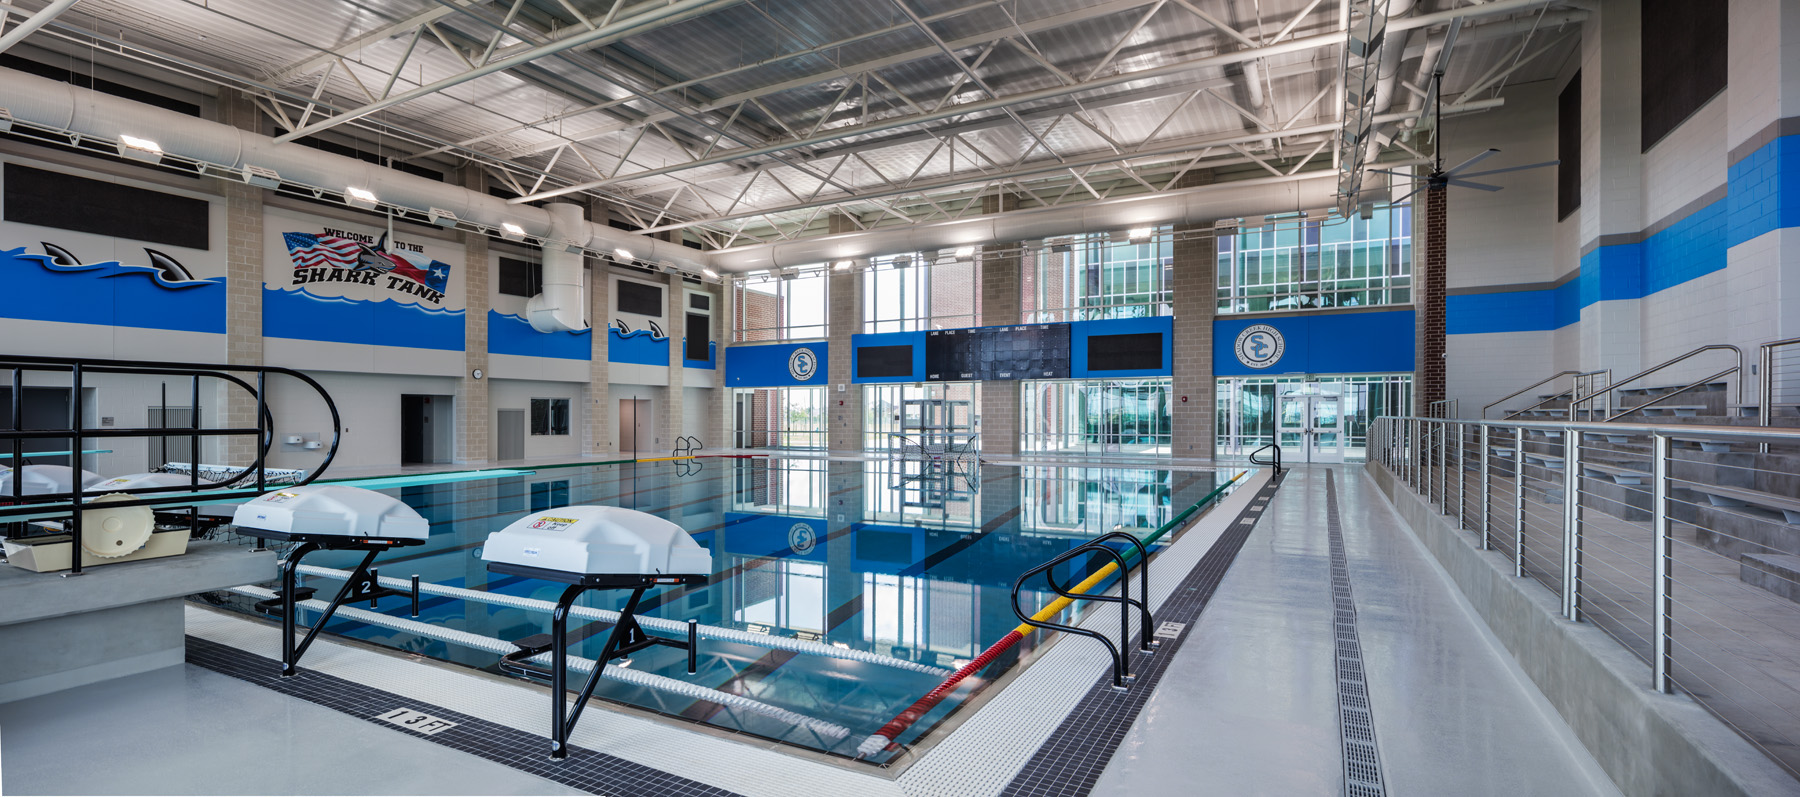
pixel 890 557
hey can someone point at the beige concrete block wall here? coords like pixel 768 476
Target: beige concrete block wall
pixel 1001 302
pixel 1196 304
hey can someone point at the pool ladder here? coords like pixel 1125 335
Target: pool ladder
pixel 1121 655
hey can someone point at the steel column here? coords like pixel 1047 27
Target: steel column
pixel 1662 656
pixel 1571 586
pixel 1518 501
pixel 1487 493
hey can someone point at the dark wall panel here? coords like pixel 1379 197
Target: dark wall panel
pixel 1684 62
pixel 67 202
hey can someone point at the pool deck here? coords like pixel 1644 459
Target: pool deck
pixel 1248 703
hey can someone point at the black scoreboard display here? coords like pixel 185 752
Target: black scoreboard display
pixel 1024 351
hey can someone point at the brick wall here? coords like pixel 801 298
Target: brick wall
pixel 1195 287
pixel 1429 318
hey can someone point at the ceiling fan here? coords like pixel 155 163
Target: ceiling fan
pixel 1441 177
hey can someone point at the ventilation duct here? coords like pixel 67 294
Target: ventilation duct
pixel 560 307
pixel 61 106
pixel 1201 205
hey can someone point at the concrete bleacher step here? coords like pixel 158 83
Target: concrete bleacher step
pixel 1774 572
pixel 1672 410
pixel 1739 497
pixel 1616 473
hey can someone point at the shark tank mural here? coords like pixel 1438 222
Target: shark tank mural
pixel 341 284
pixel 57 286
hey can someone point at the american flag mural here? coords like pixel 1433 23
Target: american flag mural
pixel 313 251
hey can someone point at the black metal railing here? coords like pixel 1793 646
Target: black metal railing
pixel 1274 459
pixel 1120 653
pixel 17 504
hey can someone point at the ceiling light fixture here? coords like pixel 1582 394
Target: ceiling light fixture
pixel 360 197
pixel 442 217
pixel 1140 233
pixel 965 251
pixel 710 274
pixel 623 254
pixel 261 176
pixel 142 149
pixel 842 265
pixel 511 230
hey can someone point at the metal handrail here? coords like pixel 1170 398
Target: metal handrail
pixel 1739 369
pixel 1118 653
pixel 1679 431
pixel 1450 408
pixel 1534 386
pixel 1765 406
pixel 1671 394
pixel 1274 459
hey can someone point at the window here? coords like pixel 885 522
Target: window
pixel 1684 64
pixel 1568 148
pixel 780 417
pixel 550 416
pixel 902 414
pixel 521 277
pixel 638 298
pixel 1095 416
pixel 922 290
pixel 67 202
pixel 1294 264
pixel 775 308
pixel 1092 276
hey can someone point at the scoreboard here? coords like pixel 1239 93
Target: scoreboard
pixel 1022 351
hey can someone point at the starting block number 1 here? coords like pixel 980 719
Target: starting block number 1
pixel 417 721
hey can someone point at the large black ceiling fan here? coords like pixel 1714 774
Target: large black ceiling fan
pixel 1441 177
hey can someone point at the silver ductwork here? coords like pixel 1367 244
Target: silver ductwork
pixel 560 308
pixel 61 106
pixel 1256 197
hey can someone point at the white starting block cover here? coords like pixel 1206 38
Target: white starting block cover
pixel 598 540
pixel 332 510
pixel 44 479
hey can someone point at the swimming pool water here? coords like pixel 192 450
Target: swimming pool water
pixel 869 555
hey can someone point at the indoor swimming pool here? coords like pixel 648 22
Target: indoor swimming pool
pixel 880 578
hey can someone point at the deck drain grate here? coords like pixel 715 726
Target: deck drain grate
pixel 1356 726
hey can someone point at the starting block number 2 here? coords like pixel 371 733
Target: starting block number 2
pixel 417 721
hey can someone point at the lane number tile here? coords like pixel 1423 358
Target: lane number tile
pixel 422 722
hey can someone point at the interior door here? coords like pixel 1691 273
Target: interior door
pixel 636 422
pixel 415 430
pixel 1325 427
pixel 510 444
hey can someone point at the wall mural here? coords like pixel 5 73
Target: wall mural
pixel 645 346
pixel 512 334
pixel 57 286
pixel 346 286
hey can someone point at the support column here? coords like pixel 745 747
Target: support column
pixel 1193 402
pixel 672 422
pixel 243 287
pixel 843 318
pixel 1612 184
pixel 474 418
pixel 596 421
pixel 1001 264
pixel 718 411
pixel 1428 296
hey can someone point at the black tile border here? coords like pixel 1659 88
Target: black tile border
pixel 1069 763
pixel 587 770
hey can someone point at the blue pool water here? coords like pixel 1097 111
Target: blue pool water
pixel 863 555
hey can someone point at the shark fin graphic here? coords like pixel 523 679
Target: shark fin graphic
pixel 59 255
pixel 172 269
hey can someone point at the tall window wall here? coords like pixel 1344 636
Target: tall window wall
pixel 1092 276
pixel 913 413
pixel 1293 264
pixel 1248 405
pixel 772 308
pixel 1095 416
pixel 779 417
pixel 922 290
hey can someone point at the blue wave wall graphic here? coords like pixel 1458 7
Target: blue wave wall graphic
pixel 711 363
pixel 637 347
pixel 511 334
pixel 303 316
pixel 109 293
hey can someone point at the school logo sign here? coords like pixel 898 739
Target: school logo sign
pixel 341 256
pixel 802 364
pixel 1260 346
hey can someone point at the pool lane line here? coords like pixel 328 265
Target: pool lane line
pixel 884 738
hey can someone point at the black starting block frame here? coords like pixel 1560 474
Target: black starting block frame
pixel 363 584
pixel 627 637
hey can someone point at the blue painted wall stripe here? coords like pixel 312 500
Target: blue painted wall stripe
pixel 1762 195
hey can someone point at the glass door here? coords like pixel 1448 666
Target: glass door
pixel 1290 428
pixel 1325 429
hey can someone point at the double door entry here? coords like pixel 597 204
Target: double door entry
pixel 1310 428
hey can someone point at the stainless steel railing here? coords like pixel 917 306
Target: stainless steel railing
pixel 1682 542
pixel 1779 363
pixel 1582 382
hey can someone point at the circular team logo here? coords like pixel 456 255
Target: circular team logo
pixel 1259 346
pixel 802 364
pixel 801 539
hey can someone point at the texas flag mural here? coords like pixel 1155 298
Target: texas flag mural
pixel 335 258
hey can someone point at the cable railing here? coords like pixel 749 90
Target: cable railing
pixel 1582 382
pixel 1604 394
pixel 1779 370
pixel 1681 542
